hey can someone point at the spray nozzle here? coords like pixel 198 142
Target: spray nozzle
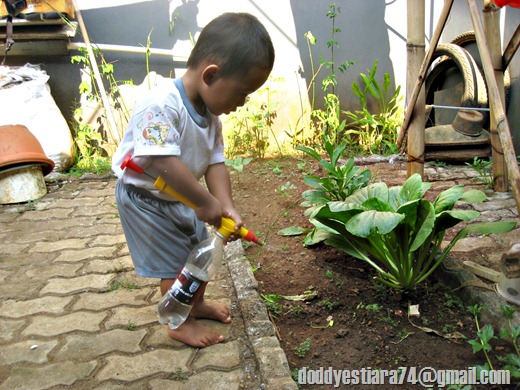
pixel 227 226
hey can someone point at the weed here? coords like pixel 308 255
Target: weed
pixel 389 320
pixel 439 164
pixel 131 326
pixel 370 307
pixel 178 376
pixel 449 328
pixel 376 132
pixel 295 310
pixel 123 283
pixel 271 302
pixel 303 349
pixel 252 124
pixel 294 376
pixel 403 333
pixel 238 163
pixel 485 170
pixel 486 335
pixel 329 275
pixel 284 190
pixel 328 305
pixel 453 301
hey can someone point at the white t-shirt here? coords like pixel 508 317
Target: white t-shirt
pixel 164 123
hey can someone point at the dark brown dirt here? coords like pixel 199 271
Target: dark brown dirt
pixel 352 323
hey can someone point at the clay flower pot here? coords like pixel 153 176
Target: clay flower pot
pixel 18 146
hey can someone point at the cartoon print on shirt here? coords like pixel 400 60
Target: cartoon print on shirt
pixel 156 130
pixel 156 133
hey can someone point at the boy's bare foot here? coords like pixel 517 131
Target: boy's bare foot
pixel 195 334
pixel 211 311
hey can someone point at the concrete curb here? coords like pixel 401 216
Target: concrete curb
pixel 272 362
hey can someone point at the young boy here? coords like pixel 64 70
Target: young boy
pixel 175 132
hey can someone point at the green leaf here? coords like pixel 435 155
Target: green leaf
pixel 373 222
pixel 424 224
pixel 292 231
pixel 473 196
pixel 446 199
pixel 376 190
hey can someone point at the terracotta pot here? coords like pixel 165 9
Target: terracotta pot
pixel 18 146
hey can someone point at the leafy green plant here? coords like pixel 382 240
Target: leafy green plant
pixel 485 170
pixel 485 336
pixel 284 189
pixel 303 349
pixel 92 142
pixel 376 132
pixel 341 180
pixel 327 121
pixel 252 124
pixel 238 164
pixel 396 230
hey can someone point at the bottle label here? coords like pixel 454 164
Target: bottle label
pixel 186 288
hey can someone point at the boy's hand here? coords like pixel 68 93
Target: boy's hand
pixel 235 216
pixel 210 211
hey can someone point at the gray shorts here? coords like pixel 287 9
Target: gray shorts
pixel 160 234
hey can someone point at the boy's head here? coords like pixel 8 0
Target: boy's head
pixel 236 42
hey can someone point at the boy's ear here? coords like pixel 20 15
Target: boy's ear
pixel 209 74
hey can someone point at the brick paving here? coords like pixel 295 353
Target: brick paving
pixel 73 314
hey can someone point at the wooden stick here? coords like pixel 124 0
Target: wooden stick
pixel 113 131
pixel 492 33
pixel 495 102
pixel 424 68
pixel 511 48
pixel 415 44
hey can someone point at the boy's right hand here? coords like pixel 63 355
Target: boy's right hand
pixel 210 211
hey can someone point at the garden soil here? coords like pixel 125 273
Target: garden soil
pixel 326 307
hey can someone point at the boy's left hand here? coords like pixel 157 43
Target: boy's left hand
pixel 235 216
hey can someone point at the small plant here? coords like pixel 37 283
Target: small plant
pixel 328 305
pixel 252 124
pixel 376 132
pixel 238 163
pixel 374 307
pixel 123 283
pixel 326 121
pixel 397 231
pixel 485 170
pixel 485 336
pixel 303 349
pixel 285 189
pixel 329 275
pixel 271 302
pixel 341 179
pixel 131 326
pixel 94 143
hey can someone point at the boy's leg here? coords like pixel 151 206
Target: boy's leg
pixel 193 333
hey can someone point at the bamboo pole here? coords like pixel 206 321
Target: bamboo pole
pixel 424 68
pixel 415 45
pixel 492 33
pixel 496 103
pixel 112 126
pixel 511 48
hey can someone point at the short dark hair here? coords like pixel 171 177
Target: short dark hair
pixel 236 42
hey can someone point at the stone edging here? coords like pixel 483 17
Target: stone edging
pixel 272 362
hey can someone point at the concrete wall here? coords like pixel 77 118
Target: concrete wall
pixel 370 30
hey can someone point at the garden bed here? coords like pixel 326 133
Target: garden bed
pixel 325 305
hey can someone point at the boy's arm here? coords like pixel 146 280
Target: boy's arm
pixel 219 184
pixel 178 176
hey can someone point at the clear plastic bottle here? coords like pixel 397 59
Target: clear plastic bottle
pixel 202 264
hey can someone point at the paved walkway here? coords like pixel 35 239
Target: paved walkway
pixel 74 315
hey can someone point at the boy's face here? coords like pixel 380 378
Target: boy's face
pixel 226 94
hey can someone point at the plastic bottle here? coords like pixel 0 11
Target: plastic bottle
pixel 202 264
